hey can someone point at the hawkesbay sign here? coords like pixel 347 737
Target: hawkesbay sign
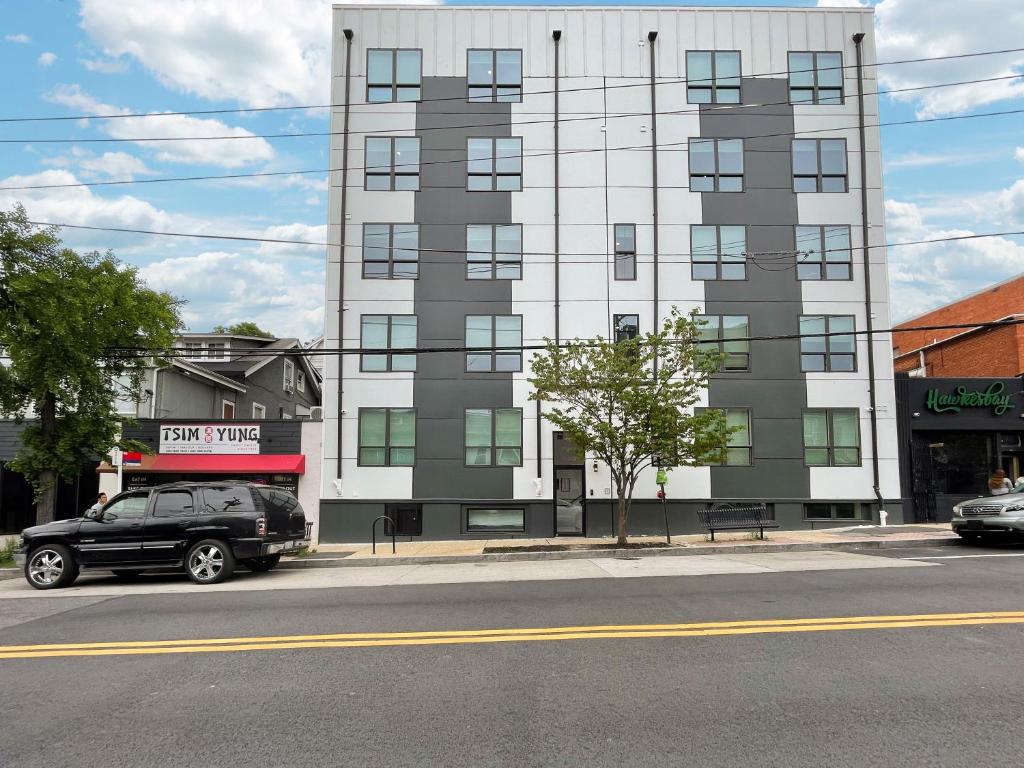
pixel 209 438
pixel 961 397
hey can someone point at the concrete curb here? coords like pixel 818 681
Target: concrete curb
pixel 590 554
pixel 10 573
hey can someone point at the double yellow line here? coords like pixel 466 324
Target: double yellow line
pixel 514 635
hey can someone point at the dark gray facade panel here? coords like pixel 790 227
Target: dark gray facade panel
pixel 443 296
pixel 774 387
pixel 10 439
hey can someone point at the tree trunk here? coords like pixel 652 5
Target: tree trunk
pixel 46 505
pixel 623 512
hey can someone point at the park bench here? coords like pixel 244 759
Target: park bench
pixel 736 517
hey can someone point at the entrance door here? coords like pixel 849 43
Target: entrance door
pixel 408 519
pixel 171 516
pixel 570 501
pixel 116 537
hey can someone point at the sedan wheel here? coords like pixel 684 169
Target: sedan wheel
pixel 209 562
pixel 51 567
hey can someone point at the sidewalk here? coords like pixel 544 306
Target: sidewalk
pixel 571 548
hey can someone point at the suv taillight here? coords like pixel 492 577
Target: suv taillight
pixel 261 526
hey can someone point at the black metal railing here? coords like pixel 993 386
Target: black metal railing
pixel 373 533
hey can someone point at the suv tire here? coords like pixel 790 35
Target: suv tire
pixel 51 566
pixel 263 564
pixel 209 561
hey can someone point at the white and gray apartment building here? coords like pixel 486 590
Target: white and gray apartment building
pixel 505 174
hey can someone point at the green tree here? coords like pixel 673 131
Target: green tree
pixel 63 318
pixel 631 403
pixel 244 329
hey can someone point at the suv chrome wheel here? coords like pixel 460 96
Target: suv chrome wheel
pixel 45 567
pixel 206 562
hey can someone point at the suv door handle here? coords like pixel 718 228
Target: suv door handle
pixel 135 525
pixel 184 523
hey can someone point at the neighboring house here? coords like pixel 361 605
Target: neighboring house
pixel 221 376
pixel 464 222
pixel 317 361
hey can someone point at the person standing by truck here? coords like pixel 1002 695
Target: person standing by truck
pixel 999 484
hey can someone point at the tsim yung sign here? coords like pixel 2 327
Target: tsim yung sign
pixel 209 438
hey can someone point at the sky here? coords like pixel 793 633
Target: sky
pixel 99 57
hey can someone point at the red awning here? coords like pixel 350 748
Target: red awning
pixel 263 463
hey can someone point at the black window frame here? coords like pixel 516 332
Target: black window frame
pixel 495 349
pixel 391 261
pixel 392 173
pixel 624 256
pixel 858 510
pixel 830 446
pixel 720 341
pixel 386 351
pixel 153 509
pixel 468 528
pixel 819 176
pixel 823 262
pixel 387 447
pixel 494 86
pixel 493 175
pixel 719 253
pixel 493 447
pixel 828 355
pixel 394 85
pixel 748 446
pixel 815 88
pixel 616 319
pixel 717 175
pixel 495 261
pixel 713 86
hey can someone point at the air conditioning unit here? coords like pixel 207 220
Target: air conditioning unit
pixel 288 387
pixel 316 413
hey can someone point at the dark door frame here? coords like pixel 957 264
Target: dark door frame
pixel 583 497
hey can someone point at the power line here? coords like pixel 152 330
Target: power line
pixel 135 352
pixel 645 83
pixel 696 110
pixel 640 147
pixel 766 254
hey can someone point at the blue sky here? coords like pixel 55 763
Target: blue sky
pixel 100 56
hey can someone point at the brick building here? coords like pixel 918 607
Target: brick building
pixel 972 351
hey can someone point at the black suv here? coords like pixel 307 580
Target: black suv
pixel 205 528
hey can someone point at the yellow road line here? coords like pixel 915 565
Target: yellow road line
pixel 368 640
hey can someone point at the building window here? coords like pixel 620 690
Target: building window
pixel 387 437
pixel 821 352
pixel 387 332
pixel 823 253
pixel 713 77
pixel 815 78
pixel 718 253
pixel 391 251
pixel 227 409
pixel 495 165
pixel 393 75
pixel 625 251
pixel 300 381
pixel 289 376
pixel 832 437
pixel 832 511
pixel 727 334
pixel 495 520
pixel 494 437
pixel 739 443
pixel 193 349
pixel 259 411
pixel 217 350
pixel 627 327
pixel 502 334
pixel 494 75
pixel 392 163
pixel 819 165
pixel 716 165
pixel 494 251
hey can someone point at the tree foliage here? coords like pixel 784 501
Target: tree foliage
pixel 63 315
pixel 246 328
pixel 631 403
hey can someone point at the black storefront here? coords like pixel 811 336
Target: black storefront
pixel 953 433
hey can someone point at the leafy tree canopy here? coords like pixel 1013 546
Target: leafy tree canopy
pixel 247 328
pixel 632 403
pixel 63 318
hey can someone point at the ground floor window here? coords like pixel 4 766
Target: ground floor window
pixel 833 511
pixel 495 520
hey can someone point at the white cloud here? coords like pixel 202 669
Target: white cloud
pixel 222 287
pixel 231 153
pixel 923 277
pixel 258 52
pixel 313 200
pixel 909 29
pixel 1019 154
pixel 116 165
pixel 21 37
pixel 306 233
pixel 46 59
pixel 105 66
pixel 925 160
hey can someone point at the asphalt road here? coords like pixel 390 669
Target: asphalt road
pixel 911 696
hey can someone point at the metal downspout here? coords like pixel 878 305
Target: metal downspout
pixel 651 37
pixel 872 404
pixel 557 37
pixel 341 263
